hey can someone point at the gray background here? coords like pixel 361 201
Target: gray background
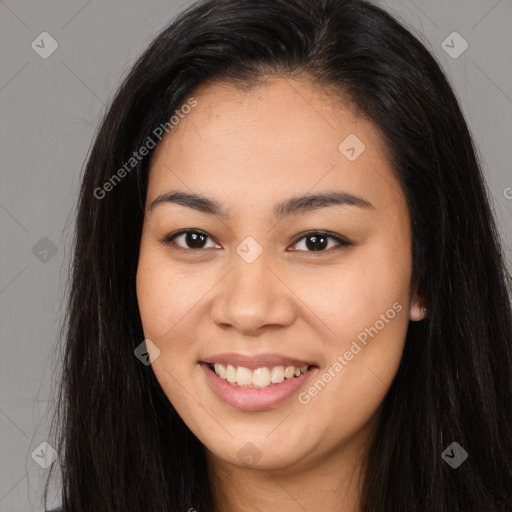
pixel 49 111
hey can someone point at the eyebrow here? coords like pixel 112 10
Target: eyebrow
pixel 292 206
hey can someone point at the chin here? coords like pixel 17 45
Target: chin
pixel 262 455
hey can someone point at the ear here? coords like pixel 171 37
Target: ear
pixel 418 311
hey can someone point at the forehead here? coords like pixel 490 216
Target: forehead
pixel 285 136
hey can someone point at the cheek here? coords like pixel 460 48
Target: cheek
pixel 365 306
pixel 153 297
pixel 351 296
pixel 165 292
pixel 363 351
pixel 165 296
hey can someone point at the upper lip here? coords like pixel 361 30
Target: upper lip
pixel 257 361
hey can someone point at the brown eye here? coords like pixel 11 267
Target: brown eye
pixel 191 239
pixel 317 241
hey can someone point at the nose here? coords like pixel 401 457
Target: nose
pixel 252 298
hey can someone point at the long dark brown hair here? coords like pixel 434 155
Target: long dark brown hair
pixel 122 445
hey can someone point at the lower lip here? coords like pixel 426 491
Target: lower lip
pixel 252 399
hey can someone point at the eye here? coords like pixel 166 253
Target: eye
pixel 192 238
pixel 318 241
pixel 314 241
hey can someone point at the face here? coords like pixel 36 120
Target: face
pixel 274 273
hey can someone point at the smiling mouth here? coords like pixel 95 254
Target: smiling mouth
pixel 260 378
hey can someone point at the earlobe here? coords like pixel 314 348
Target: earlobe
pixel 418 313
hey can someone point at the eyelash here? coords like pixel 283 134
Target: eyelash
pixel 343 242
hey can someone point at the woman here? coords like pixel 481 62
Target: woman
pixel 288 291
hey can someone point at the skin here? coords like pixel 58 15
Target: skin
pixel 250 150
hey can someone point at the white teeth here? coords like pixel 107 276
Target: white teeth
pixel 230 374
pixel 220 371
pixel 243 376
pixel 260 378
pixel 277 374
